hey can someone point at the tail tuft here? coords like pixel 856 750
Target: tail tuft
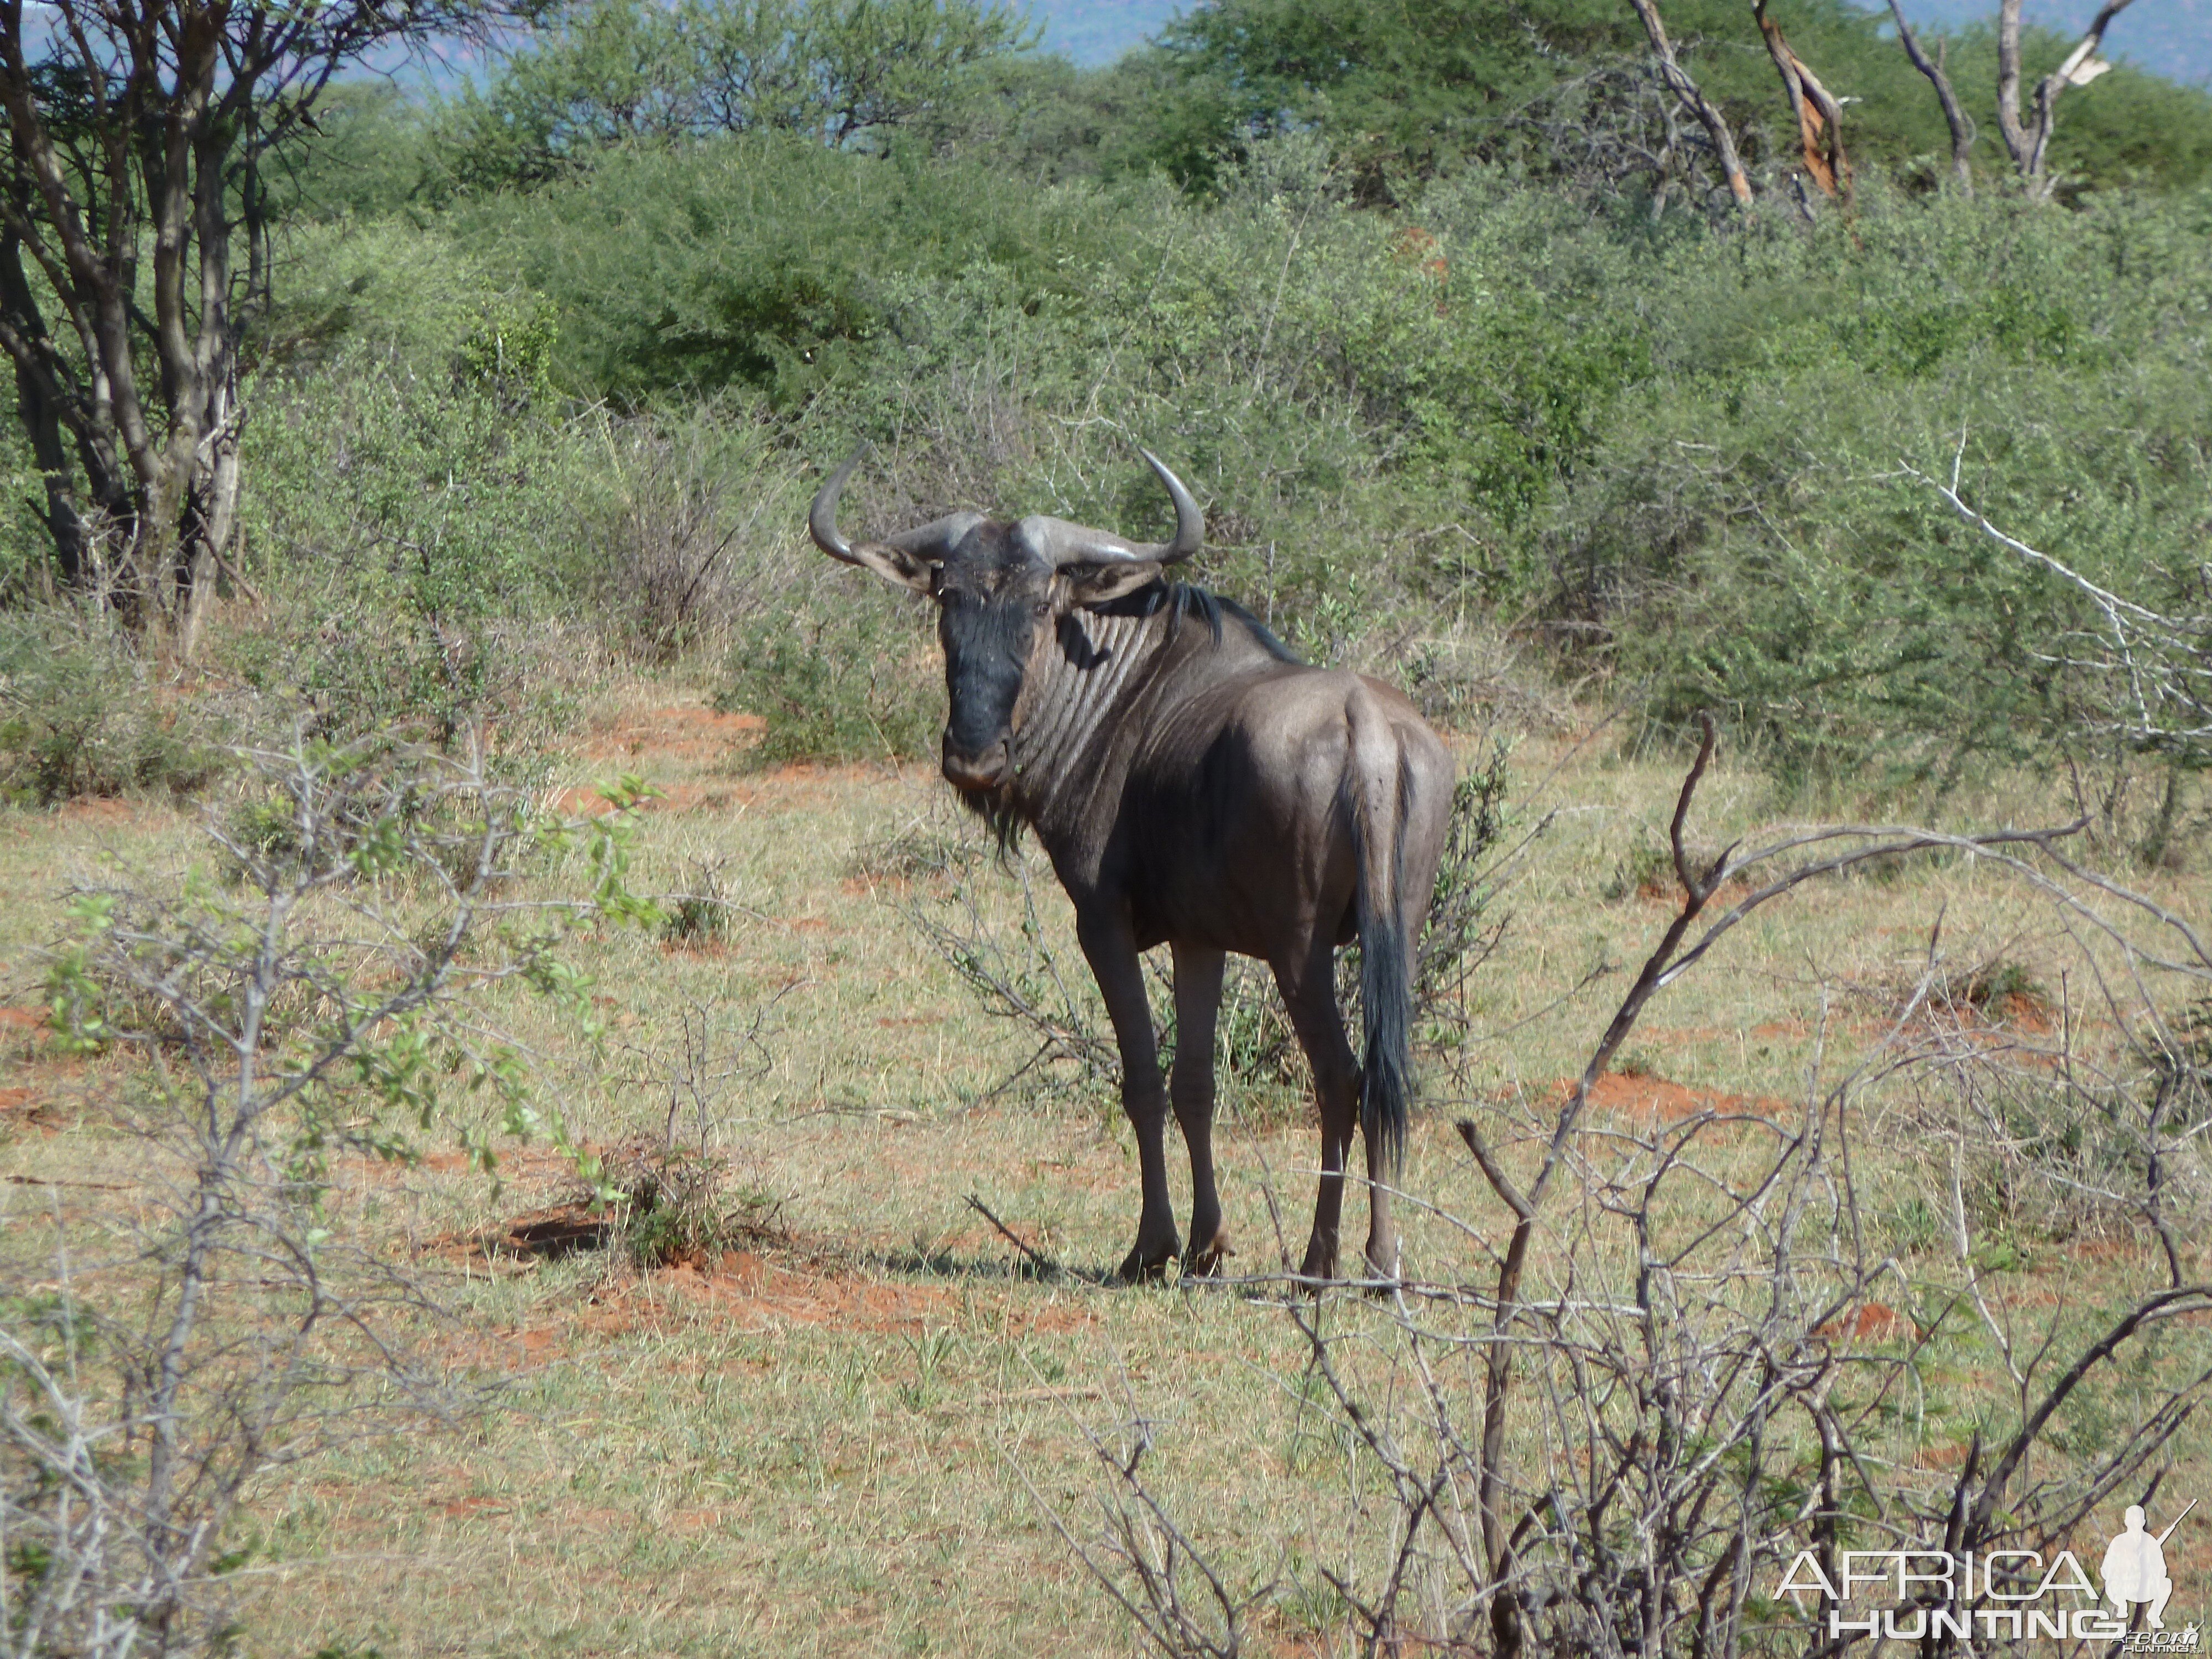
pixel 1386 1082
pixel 1382 786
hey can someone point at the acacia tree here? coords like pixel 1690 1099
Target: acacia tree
pixel 135 131
pixel 842 72
pixel 1817 114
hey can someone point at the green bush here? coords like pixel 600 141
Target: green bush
pixel 836 73
pixel 853 676
pixel 1670 446
pixel 80 715
pixel 368 153
pixel 413 520
pixel 1678 446
pixel 389 295
pixel 1745 539
pixel 690 529
pixel 763 260
pixel 1561 91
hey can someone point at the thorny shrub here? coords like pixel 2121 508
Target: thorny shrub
pixel 680 1195
pixel 80 716
pixel 837 672
pixel 323 1001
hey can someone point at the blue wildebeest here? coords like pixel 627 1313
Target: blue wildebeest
pixel 1193 783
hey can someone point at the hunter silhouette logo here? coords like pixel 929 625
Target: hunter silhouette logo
pixel 2004 1593
pixel 2134 1570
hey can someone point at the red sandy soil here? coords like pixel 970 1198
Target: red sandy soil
pixel 749 1293
pixel 1657 1099
pixel 697 738
pixel 1663 887
pixel 1940 1457
pixel 586 800
pixel 461 1507
pixel 691 739
pixel 2132 1251
pixel 2010 1012
pixel 39 1081
pixel 1698 1036
pixel 674 733
pixel 1873 1322
pixel 742 1295
pixel 95 810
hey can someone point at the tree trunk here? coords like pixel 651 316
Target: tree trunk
pixel 2030 147
pixel 151 173
pixel 1820 117
pixel 1708 117
pixel 2009 123
pixel 38 407
pixel 209 374
pixel 210 522
pixel 170 104
pixel 1962 128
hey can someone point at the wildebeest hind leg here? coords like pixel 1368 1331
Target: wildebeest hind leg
pixel 1308 989
pixel 1111 950
pixel 1198 1000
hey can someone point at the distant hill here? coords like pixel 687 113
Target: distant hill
pixel 2173 37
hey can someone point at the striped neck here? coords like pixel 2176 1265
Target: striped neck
pixel 1086 669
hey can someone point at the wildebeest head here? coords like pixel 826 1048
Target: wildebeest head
pixel 1002 589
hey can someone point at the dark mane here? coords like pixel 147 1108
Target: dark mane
pixel 1181 599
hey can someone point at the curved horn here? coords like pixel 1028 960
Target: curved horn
pixel 821 517
pixel 933 541
pixel 1058 542
pixel 1190 523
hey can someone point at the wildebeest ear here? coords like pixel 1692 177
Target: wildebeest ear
pixel 1100 584
pixel 897 565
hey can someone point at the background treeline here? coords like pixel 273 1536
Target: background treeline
pixel 1446 310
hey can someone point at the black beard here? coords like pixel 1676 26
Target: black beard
pixel 999 815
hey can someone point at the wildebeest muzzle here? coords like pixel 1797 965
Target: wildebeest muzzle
pixel 987 644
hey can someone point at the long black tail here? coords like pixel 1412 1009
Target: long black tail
pixel 1380 791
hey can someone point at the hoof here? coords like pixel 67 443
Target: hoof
pixel 1206 1263
pixel 1319 1265
pixel 1388 1271
pixel 1142 1264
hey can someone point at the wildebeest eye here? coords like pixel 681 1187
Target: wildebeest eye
pixel 1042 608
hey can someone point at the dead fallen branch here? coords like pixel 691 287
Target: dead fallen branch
pixel 1045 1266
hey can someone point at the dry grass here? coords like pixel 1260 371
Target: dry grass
pixel 838 1444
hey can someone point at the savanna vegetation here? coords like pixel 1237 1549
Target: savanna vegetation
pixel 502 1032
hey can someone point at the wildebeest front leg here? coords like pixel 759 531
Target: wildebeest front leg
pixel 1111 950
pixel 1198 1000
pixel 1308 989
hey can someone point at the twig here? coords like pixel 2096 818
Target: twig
pixel 1045 1264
